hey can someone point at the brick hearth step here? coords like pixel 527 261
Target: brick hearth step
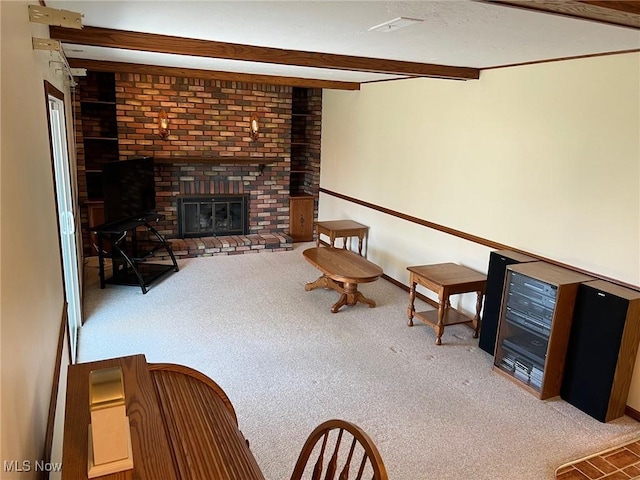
pixel 230 245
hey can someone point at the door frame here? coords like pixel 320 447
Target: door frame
pixel 74 321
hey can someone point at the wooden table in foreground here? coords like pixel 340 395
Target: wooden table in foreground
pixel 183 425
pixel 446 279
pixel 343 270
pixel 342 229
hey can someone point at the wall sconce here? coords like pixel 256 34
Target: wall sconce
pixel 163 125
pixel 254 128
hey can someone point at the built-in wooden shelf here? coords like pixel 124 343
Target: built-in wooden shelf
pixel 215 160
pixel 101 139
pixel 98 102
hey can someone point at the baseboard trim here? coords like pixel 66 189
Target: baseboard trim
pixel 419 295
pixel 53 400
pixel 632 412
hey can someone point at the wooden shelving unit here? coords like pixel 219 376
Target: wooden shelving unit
pixel 303 182
pixel 99 128
pixel 535 321
pixel 301 143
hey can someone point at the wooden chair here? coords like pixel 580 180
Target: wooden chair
pixel 359 459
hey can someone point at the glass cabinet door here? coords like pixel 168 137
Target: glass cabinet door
pixel 523 339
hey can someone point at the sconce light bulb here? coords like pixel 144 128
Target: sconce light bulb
pixel 163 124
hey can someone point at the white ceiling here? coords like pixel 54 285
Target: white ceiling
pixel 454 32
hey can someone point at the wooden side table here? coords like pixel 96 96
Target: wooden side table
pixel 342 229
pixel 446 279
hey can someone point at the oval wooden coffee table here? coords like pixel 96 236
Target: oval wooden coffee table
pixel 342 271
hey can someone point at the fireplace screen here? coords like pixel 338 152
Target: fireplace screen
pixel 214 215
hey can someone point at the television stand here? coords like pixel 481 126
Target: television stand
pixel 128 252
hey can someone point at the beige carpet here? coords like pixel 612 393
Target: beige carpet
pixel 288 363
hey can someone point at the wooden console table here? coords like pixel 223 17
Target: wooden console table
pixel 342 229
pixel 445 279
pixel 343 270
pixel 183 425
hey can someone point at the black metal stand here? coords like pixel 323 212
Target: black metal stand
pixel 128 254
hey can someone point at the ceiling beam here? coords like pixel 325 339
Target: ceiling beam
pixel 151 42
pixel 627 6
pixel 122 67
pixel 613 12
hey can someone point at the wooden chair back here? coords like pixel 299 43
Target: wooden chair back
pixel 338 447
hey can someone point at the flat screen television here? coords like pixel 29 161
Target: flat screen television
pixel 129 189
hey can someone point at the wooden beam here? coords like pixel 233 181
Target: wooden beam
pixel 625 6
pixel 122 67
pixel 612 12
pixel 151 42
pixel 562 59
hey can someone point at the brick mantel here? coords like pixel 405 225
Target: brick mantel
pixel 212 160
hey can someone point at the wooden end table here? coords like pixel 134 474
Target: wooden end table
pixel 342 271
pixel 342 229
pixel 446 279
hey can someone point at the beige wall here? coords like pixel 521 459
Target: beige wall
pixel 544 158
pixel 32 292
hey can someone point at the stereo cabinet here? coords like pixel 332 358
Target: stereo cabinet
pixel 498 262
pixel 534 326
pixel 602 349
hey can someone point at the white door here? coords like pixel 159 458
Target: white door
pixel 66 220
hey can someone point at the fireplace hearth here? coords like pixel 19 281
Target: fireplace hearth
pixel 213 215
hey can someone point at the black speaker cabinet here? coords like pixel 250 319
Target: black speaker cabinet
pixel 498 262
pixel 602 349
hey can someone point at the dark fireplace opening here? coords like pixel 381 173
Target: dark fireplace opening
pixel 213 215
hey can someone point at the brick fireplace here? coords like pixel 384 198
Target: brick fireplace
pixel 213 215
pixel 267 220
pixel 209 151
pixel 266 202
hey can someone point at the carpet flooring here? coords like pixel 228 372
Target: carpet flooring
pixel 287 364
